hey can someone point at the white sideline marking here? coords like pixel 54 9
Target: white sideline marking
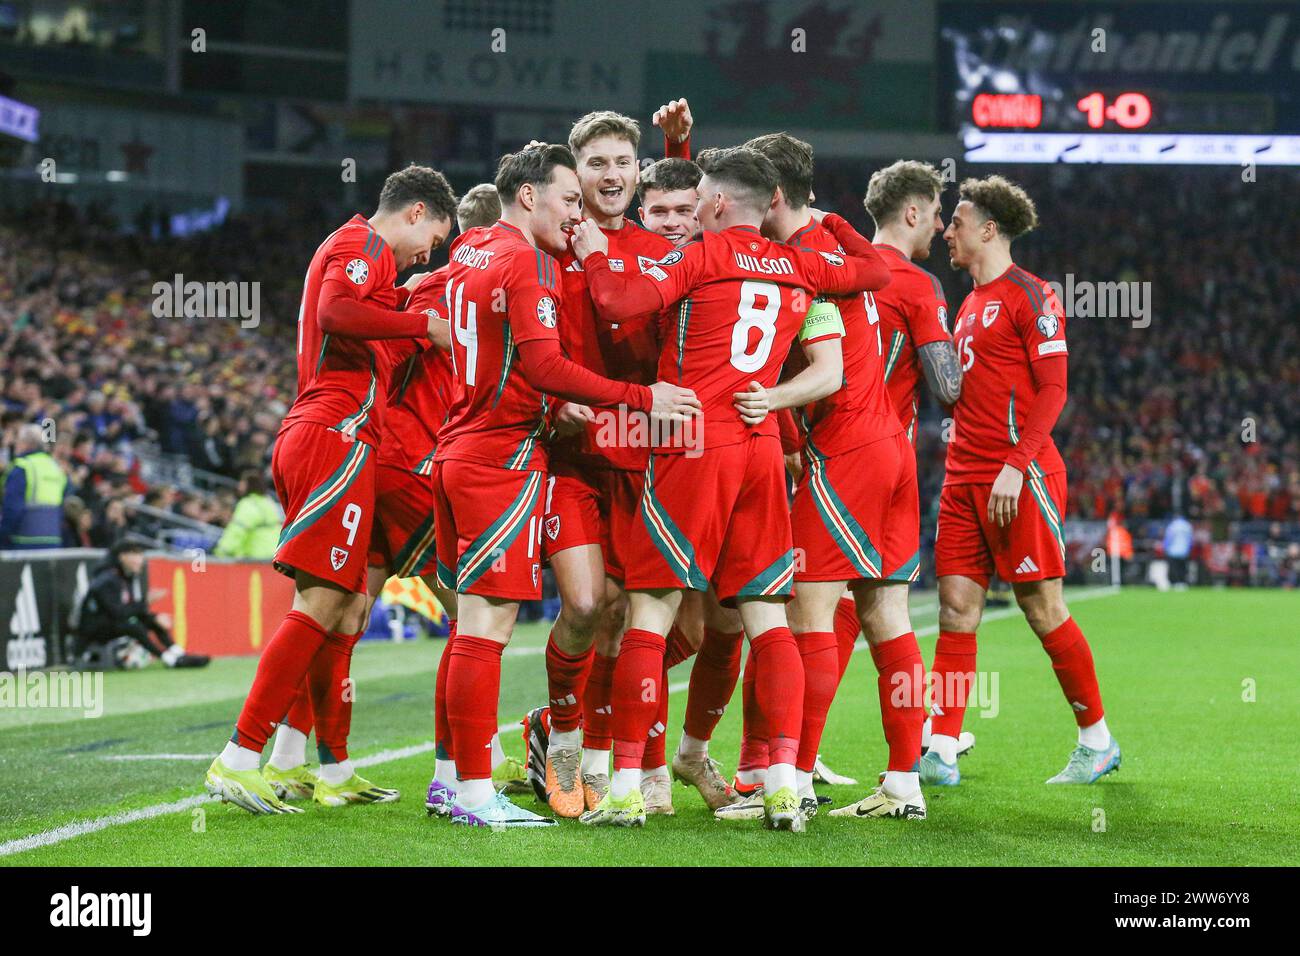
pixel 70 831
pixel 398 753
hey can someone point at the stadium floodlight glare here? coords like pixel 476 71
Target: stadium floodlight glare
pixel 116 176
pixel 1163 149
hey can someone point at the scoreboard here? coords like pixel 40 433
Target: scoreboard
pixel 1138 82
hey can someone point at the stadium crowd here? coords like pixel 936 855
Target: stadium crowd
pixel 1193 414
pixel 81 348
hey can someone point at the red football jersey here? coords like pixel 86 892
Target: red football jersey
pixel 861 411
pixel 1002 328
pixel 339 379
pixel 743 300
pixel 501 290
pixel 419 393
pixel 913 312
pixel 627 351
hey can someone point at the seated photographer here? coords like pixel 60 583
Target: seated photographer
pixel 115 612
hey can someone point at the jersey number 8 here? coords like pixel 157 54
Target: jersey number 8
pixel 753 316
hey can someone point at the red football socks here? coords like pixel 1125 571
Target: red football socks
pixel 901 688
pixel 819 651
pixel 778 689
pixel 597 716
pixel 713 680
pixel 638 676
pixel 656 744
pixel 1072 661
pixel 753 741
pixel 566 680
pixel 679 648
pixel 847 629
pixel 954 681
pixel 441 726
pixel 332 693
pixel 280 673
pixel 300 715
pixel 473 686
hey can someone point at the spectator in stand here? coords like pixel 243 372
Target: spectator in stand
pixel 31 515
pixel 254 529
pixel 77 523
pixel 112 527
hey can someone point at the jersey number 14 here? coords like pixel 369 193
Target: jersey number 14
pixel 464 325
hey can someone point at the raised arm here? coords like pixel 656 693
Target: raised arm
pixel 675 119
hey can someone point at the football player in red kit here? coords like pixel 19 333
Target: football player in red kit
pixel 855 514
pixel 1004 488
pixel 904 201
pixel 426 400
pixel 714 507
pixel 419 392
pixel 668 194
pixel 324 471
pixel 504 296
pixel 596 469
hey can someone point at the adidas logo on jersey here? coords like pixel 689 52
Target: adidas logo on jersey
pixel 1026 566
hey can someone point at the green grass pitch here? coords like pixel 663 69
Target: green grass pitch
pixel 1199 687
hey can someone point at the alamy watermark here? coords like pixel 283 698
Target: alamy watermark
pixel 625 428
pixel 53 690
pixel 179 299
pixel 1105 300
pixel 133 911
pixel 969 689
